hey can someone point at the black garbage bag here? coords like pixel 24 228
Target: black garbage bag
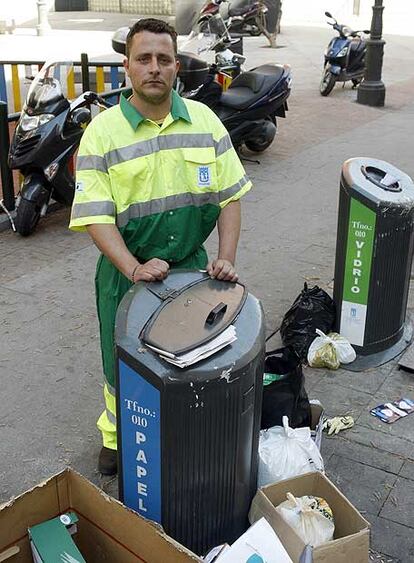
pixel 286 396
pixel 312 309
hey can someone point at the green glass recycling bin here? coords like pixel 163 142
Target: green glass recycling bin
pixel 374 253
pixel 188 437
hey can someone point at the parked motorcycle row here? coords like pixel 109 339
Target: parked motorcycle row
pixel 249 19
pixel 211 71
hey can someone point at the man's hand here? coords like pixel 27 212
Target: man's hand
pixel 221 269
pixel 153 270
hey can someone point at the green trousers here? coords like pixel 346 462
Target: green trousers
pixel 111 286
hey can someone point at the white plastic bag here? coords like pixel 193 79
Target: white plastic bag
pixel 286 452
pixel 310 517
pixel 330 351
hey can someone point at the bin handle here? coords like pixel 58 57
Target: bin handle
pixel 214 314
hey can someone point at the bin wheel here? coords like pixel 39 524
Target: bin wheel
pixel 327 82
pixel 27 217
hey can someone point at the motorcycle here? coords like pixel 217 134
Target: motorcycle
pixel 214 44
pixel 344 57
pixel 253 100
pixel 47 135
pixel 246 19
pixel 248 103
pixel 248 109
pixel 217 47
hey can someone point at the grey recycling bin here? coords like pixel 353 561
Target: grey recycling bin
pixel 374 253
pixel 188 438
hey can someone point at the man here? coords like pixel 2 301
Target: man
pixel 154 176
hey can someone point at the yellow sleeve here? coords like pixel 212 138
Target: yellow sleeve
pixel 93 202
pixel 232 179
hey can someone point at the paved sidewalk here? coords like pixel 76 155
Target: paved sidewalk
pixel 49 350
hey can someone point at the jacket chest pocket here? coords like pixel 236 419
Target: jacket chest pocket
pixel 131 182
pixel 200 169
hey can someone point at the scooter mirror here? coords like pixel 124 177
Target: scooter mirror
pixel 328 15
pixel 81 116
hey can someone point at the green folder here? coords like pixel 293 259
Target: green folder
pixel 52 542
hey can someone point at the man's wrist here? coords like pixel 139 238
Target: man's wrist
pixel 227 258
pixel 134 271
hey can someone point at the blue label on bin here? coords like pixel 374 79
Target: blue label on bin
pixel 141 443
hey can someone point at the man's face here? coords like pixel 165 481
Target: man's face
pixel 152 66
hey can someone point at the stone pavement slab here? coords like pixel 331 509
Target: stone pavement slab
pixel 370 381
pixel 408 470
pixel 365 486
pixel 399 504
pixel 380 440
pixel 365 454
pixel 392 538
pixel 338 400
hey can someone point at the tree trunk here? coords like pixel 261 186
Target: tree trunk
pixel 271 26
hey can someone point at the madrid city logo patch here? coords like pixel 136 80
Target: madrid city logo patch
pixel 204 176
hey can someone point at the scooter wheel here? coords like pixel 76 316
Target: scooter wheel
pixel 252 27
pixel 327 83
pixel 258 146
pixel 255 31
pixel 261 143
pixel 27 217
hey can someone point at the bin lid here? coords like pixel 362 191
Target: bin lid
pixel 379 181
pixel 192 315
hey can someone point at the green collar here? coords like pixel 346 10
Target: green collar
pixel 178 109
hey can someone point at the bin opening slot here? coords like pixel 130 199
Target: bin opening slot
pixel 381 179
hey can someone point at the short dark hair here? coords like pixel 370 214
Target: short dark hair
pixel 154 26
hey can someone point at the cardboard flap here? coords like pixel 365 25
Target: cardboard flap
pixel 350 549
pixel 261 506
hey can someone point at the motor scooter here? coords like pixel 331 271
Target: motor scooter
pixel 214 44
pixel 249 19
pixel 250 105
pixel 47 135
pixel 248 109
pixel 217 47
pixel 344 57
pixel 250 102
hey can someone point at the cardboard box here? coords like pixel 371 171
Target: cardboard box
pixel 107 530
pixel 351 538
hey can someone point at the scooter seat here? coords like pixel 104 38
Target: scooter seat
pixel 246 89
pixel 251 79
pixel 239 11
pixel 274 70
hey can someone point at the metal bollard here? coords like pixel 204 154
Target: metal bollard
pixel 43 26
pixel 85 72
pixel 6 173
